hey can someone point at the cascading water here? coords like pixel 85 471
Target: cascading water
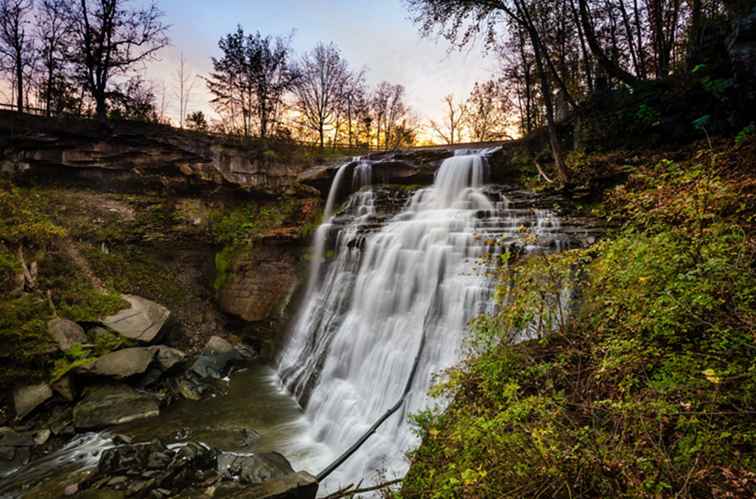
pixel 386 288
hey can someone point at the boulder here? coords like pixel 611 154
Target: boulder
pixel 142 321
pixel 27 398
pixel 299 485
pixel 253 468
pixel 168 357
pixel 12 438
pixel 121 363
pixel 66 333
pixel 108 405
pixel 214 359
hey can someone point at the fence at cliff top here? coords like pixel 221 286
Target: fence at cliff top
pixel 353 149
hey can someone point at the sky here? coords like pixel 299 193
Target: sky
pixel 378 35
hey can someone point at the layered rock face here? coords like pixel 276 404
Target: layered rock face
pixel 131 156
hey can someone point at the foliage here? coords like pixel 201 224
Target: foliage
pixel 649 389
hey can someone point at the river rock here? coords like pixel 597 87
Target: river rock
pixel 11 438
pixel 109 405
pixel 168 357
pixel 253 468
pixel 142 321
pixel 299 485
pixel 214 359
pixel 27 398
pixel 66 333
pixel 122 363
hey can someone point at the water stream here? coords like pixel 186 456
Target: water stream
pixel 378 286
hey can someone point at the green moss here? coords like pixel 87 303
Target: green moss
pixel 224 259
pixel 23 334
pixel 137 270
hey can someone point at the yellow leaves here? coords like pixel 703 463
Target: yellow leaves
pixel 642 280
pixel 711 376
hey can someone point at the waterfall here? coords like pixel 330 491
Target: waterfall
pixel 386 285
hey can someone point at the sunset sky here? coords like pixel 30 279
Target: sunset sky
pixel 383 40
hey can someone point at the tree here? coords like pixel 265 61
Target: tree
pixel 349 101
pixel 461 20
pixel 134 99
pixel 388 111
pixel 251 78
pixel 322 75
pixel 53 31
pixel 16 45
pixel 184 84
pixel 197 121
pixel 111 40
pixel 487 111
pixel 454 119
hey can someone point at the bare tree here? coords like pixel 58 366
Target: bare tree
pixel 487 111
pixel 111 40
pixel 388 112
pixel 323 72
pixel 455 116
pixel 185 83
pixel 54 32
pixel 16 44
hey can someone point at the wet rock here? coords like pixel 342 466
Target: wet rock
pixel 12 438
pixel 299 485
pixel 142 321
pixel 190 389
pixel 71 490
pixel 119 439
pixel 168 357
pixel 121 364
pixel 66 333
pixel 7 453
pixel 42 436
pixel 27 398
pixel 255 468
pixel 65 388
pixel 215 358
pixel 112 405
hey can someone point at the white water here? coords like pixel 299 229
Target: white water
pixel 359 330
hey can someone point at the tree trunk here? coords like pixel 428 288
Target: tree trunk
pixel 611 67
pixel 556 149
pixel 19 82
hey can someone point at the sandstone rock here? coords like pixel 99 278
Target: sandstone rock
pixel 27 398
pixel 259 283
pixel 65 388
pixel 121 363
pixel 299 485
pixel 112 405
pixel 142 321
pixel 66 333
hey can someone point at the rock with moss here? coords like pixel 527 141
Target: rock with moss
pixel 66 333
pixel 142 321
